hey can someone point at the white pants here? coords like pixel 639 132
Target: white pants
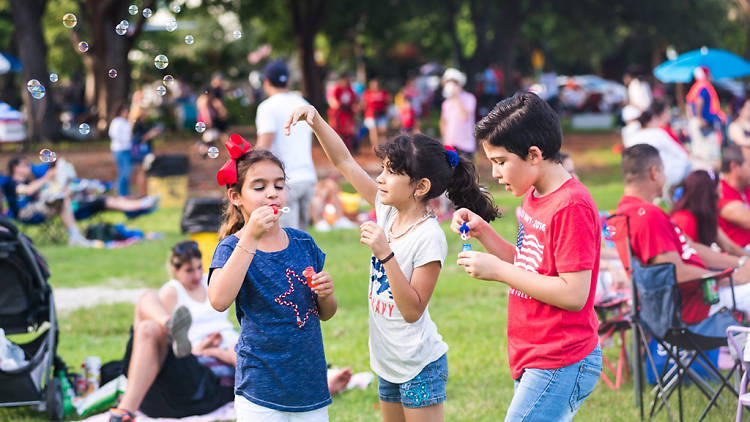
pixel 741 296
pixel 248 411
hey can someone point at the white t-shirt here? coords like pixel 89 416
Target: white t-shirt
pixel 675 158
pixel 295 150
pixel 206 319
pixel 121 134
pixel 400 350
pixel 639 94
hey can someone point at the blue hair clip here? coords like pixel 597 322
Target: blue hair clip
pixel 452 156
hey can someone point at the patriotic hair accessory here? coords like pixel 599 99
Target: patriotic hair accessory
pixel 451 155
pixel 237 147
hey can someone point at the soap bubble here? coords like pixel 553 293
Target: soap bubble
pixel 122 27
pixel 171 24
pixel 112 73
pixel 189 39
pixel 236 34
pixel 84 128
pixel 133 9
pixel 168 79
pixel 161 61
pixel 147 13
pixel 200 127
pixel 176 8
pixel 36 89
pixel 47 156
pixel 161 90
pixel 70 20
pixel 212 152
pixel 83 46
pixel 53 77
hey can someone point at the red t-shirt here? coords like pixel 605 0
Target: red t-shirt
pixel 557 233
pixel 729 194
pixel 653 233
pixel 375 103
pixel 685 220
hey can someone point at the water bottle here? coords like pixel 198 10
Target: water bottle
pixel 68 393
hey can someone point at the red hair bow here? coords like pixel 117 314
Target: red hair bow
pixel 237 147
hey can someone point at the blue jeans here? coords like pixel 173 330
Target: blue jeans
pixel 426 389
pixel 124 167
pixel 554 394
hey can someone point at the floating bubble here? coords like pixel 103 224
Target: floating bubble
pixel 189 39
pixel 168 80
pixel 161 90
pixel 47 156
pixel 176 8
pixel 112 73
pixel 84 128
pixel 161 61
pixel 236 34
pixel 33 84
pixel 70 20
pixel 38 92
pixel 200 127
pixel 121 30
pixel 124 23
pixel 83 46
pixel 147 13
pixel 133 9
pixel 171 24
pixel 53 77
pixel 212 152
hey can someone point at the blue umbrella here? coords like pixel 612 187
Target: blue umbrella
pixel 722 63
pixel 9 63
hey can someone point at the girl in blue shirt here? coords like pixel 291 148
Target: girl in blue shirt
pixel 281 366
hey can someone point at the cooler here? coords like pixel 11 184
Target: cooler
pixel 201 218
pixel 168 178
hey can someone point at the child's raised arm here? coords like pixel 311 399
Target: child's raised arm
pixel 336 151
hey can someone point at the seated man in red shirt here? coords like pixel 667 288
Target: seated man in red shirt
pixel 654 239
pixel 734 209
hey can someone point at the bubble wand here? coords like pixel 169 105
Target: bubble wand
pixel 276 209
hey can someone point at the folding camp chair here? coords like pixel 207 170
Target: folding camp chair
pixel 738 351
pixel 656 312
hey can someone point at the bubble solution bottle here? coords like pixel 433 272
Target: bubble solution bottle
pixel 464 229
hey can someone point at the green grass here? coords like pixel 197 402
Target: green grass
pixel 470 315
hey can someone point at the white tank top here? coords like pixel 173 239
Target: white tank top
pixel 206 319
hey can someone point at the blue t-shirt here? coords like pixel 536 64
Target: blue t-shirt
pixel 281 363
pixel 705 112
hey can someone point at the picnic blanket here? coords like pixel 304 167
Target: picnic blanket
pixel 224 413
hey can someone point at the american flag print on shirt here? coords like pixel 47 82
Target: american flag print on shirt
pixel 529 251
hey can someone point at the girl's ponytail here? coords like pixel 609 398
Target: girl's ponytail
pixel 465 191
pixel 233 221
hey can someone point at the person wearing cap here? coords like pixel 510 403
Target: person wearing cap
pixel 457 116
pixel 295 150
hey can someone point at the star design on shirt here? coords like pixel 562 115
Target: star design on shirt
pixel 280 299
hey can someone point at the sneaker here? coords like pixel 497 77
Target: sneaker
pixel 178 327
pixel 120 415
pixel 344 223
pixel 322 226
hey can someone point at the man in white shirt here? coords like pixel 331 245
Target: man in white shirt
pixel 295 150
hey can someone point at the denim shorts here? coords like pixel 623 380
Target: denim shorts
pixel 426 389
pixel 555 394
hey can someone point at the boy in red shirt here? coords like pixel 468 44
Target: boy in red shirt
pixel 655 239
pixel 376 101
pixel 734 209
pixel 553 346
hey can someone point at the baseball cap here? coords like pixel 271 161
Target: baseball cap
pixel 277 73
pixel 452 74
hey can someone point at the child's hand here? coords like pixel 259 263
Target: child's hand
pixel 305 112
pixel 261 220
pixel 481 265
pixel 373 236
pixel 473 221
pixel 323 284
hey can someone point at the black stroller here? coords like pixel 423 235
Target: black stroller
pixel 26 304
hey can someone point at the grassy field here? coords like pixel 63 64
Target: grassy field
pixel 470 315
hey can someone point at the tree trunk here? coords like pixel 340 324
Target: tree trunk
pixel 307 17
pixel 32 50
